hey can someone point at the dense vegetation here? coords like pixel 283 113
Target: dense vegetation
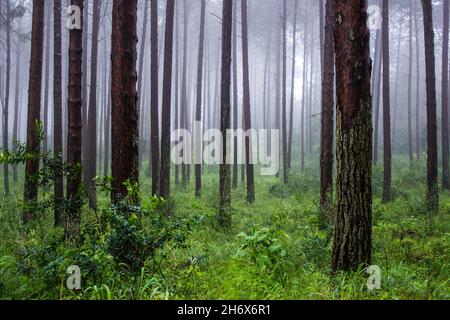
pixel 275 249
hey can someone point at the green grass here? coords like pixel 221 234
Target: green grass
pixel 275 249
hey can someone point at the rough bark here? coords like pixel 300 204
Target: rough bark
pixel 166 103
pixel 45 121
pixel 57 112
pixel 125 110
pixel 432 158
pixel 353 222
pixel 74 142
pixel 387 155
pixel 34 110
pixel 224 216
pixel 327 157
pixel 247 107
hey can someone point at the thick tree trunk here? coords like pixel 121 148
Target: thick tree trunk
pixel 432 159
pixel 154 141
pixel 353 222
pixel 48 15
pixel 34 111
pixel 445 74
pixel 74 142
pixel 247 107
pixel 224 216
pixel 91 143
pixel 198 109
pixel 327 139
pixel 125 110
pixel 57 112
pixel 166 103
pixel 387 183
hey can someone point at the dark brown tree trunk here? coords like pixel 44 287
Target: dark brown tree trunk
pixel 387 183
pixel 6 103
pixel 57 112
pixel 432 159
pixel 34 111
pixel 125 110
pixel 353 223
pixel 291 115
pixel 166 103
pixel 235 97
pixel 284 96
pixel 445 74
pixel 91 143
pixel 247 107
pixel 327 157
pixel 154 143
pixel 74 142
pixel 224 216
pixel 48 15
pixel 198 109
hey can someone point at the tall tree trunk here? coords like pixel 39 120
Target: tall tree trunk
pixel 48 15
pixel 184 98
pixel 74 142
pixel 353 222
pixel 291 115
pixel 177 85
pixel 91 143
pixel 57 112
pixel 224 216
pixel 376 88
pixel 302 117
pixel 247 107
pixel 284 96
pixel 106 157
pixel 141 74
pixel 7 89
pixel 445 74
pixel 410 70
pixel 387 183
pixel 17 99
pixel 235 96
pixel 198 109
pixel 34 111
pixel 125 110
pixel 84 86
pixel 327 157
pixel 166 103
pixel 418 82
pixel 155 152
pixel 397 75
pixel 432 159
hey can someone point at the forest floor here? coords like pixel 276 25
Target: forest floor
pixel 275 249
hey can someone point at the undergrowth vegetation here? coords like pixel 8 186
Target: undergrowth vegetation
pixel 275 249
